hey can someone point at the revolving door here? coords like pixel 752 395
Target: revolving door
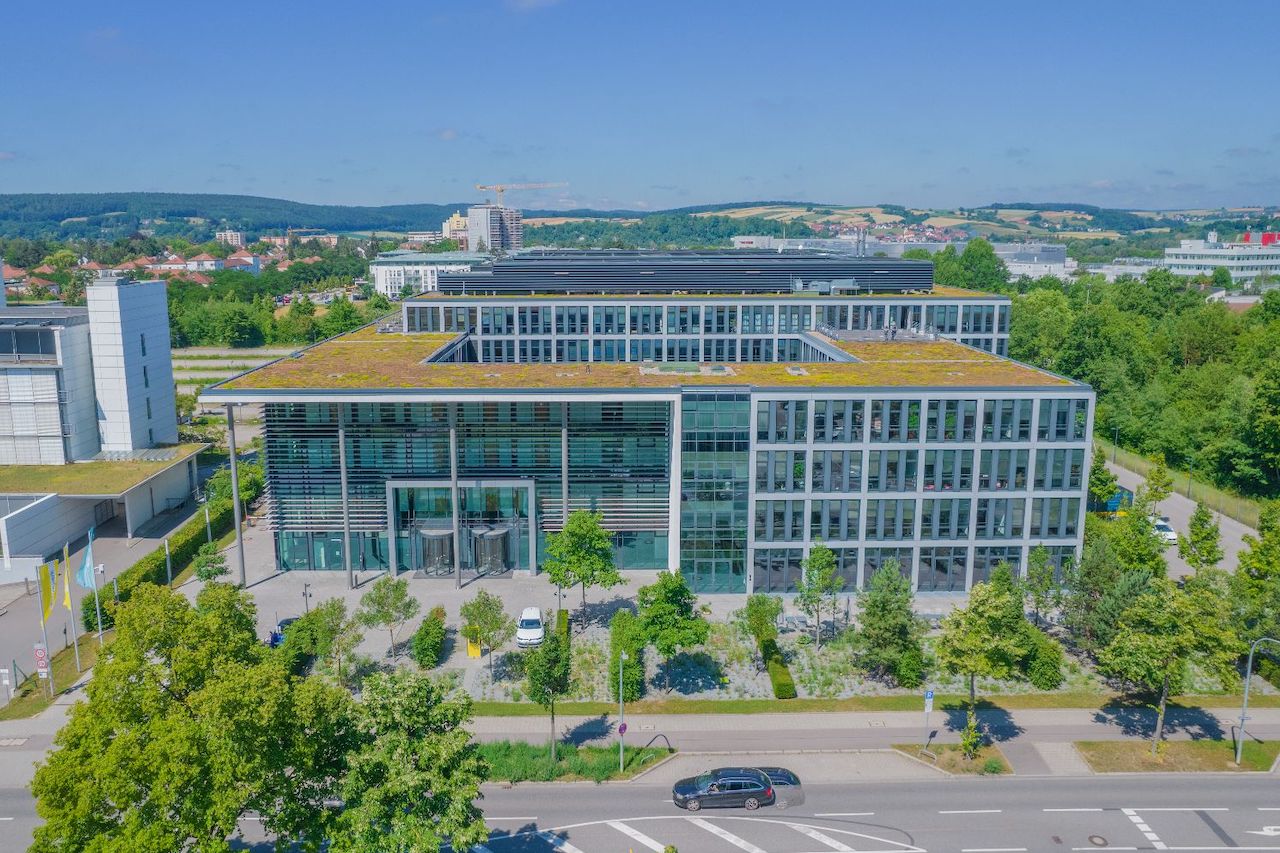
pixel 493 529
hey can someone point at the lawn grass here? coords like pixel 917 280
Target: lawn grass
pixel 989 761
pixel 1128 756
pixel 517 761
pixel 32 695
pixel 945 702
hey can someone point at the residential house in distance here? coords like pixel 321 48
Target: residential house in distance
pixel 235 239
pixel 455 228
pixel 204 262
pixel 243 260
pixel 88 427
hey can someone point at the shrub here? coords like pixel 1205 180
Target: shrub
pixel 910 667
pixel 992 767
pixel 210 563
pixel 761 616
pixel 1044 669
pixel 625 635
pixel 562 622
pixel 1269 670
pixel 312 635
pixel 970 736
pixel 784 686
pixel 428 641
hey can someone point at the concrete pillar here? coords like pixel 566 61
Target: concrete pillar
pixel 346 508
pixel 453 493
pixel 235 490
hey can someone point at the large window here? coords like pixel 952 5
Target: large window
pixel 833 520
pixel 946 518
pixel 874 559
pixel 951 420
pixel 986 558
pixel 1006 420
pixel 1063 420
pixel 891 519
pixel 942 569
pixel 609 320
pixel 781 420
pixel 1059 468
pixel 780 470
pixel 1000 518
pixel 779 521
pixel 1003 469
pixel 571 319
pixel 535 321
pixel 646 320
pixel 777 569
pixel 946 470
pixel 895 420
pixel 837 471
pixel 892 470
pixel 1054 517
pixel 837 421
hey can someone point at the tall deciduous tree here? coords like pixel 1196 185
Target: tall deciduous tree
pixel 760 615
pixel 191 722
pixel 1041 587
pixel 485 622
pixel 414 781
pixel 1255 586
pixel 1163 631
pixel 989 637
pixel 1102 483
pixel 668 615
pixel 888 629
pixel 547 676
pixel 819 586
pixel 582 555
pixel 1201 547
pixel 1159 482
pixel 388 605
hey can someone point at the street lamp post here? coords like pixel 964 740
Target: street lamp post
pixel 1244 707
pixel 306 597
pixel 1115 443
pixel 622 723
pixel 1191 473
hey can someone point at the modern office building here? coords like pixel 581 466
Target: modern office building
pixel 419 271
pixel 494 228
pixel 88 427
pixel 1246 260
pixel 719 435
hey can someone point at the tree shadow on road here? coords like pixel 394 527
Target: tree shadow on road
pixel 600 612
pixel 995 721
pixel 1140 720
pixel 586 731
pixel 690 672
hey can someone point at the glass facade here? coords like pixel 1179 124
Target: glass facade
pixel 715 441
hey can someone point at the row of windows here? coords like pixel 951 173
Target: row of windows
pixel 895 519
pixel 899 420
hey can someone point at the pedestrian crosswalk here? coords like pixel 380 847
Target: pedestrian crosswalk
pixel 700 834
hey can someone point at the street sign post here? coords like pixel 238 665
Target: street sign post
pixel 6 683
pixel 42 661
pixel 928 709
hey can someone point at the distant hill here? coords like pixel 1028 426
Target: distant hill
pixel 110 215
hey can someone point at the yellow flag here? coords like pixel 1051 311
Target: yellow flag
pixel 66 577
pixel 45 583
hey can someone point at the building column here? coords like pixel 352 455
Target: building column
pixel 235 489
pixel 564 464
pixel 346 508
pixel 673 497
pixel 453 492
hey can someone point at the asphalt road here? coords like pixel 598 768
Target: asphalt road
pixel 1216 812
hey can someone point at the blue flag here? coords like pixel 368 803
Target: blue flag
pixel 84 577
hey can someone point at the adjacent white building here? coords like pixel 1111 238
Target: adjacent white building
pixel 419 271
pixel 1246 261
pixel 231 238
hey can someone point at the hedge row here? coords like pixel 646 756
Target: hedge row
pixel 784 686
pixel 428 641
pixel 625 636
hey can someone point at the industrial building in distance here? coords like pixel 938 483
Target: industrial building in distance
pixel 723 411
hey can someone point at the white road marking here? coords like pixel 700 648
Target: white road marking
pixel 638 836
pixel 993 850
pixel 726 835
pixel 970 811
pixel 558 843
pixel 1268 809
pixel 843 814
pixel 1180 809
pixel 1142 827
pixel 822 838
pixel 6 818
pixel 1076 810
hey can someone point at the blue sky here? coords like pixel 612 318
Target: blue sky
pixel 645 104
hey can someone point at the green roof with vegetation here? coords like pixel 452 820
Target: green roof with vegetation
pixel 939 291
pixel 99 478
pixel 372 360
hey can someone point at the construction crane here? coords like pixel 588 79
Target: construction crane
pixel 501 188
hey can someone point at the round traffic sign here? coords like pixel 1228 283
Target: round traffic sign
pixel 622 728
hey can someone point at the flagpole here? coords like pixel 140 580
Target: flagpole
pixel 93 575
pixel 44 634
pixel 66 602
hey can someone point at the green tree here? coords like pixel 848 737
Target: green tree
pixel 341 317
pixel 819 586
pixel 210 563
pixel 760 616
pixel 982 268
pixel 668 616
pixel 988 637
pixel 547 676
pixel 625 636
pixel 413 782
pixel 1162 632
pixel 1102 483
pixel 1041 586
pixel 191 723
pixel 582 555
pixel 888 629
pixel 1159 483
pixel 1222 278
pixel 1035 333
pixel 1255 586
pixel 388 605
pixel 485 622
pixel 1201 547
pixel 1133 537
